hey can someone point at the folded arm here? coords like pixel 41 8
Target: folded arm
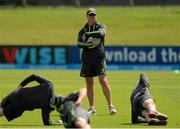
pixel 83 36
pixel 84 44
pixel 33 77
pixel 100 33
pixel 77 97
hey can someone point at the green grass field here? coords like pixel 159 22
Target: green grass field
pixel 125 25
pixel 164 87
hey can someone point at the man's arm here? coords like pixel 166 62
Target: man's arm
pixel 90 44
pixel 82 94
pixel 81 41
pixel 33 77
pixel 45 113
pixel 96 35
pixel 84 44
pixel 100 33
pixel 77 97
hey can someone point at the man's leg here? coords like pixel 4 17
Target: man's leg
pixel 153 121
pixel 107 92
pixel 149 104
pixel 145 114
pixel 81 123
pixel 152 115
pixel 90 91
pixel 106 88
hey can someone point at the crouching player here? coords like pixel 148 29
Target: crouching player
pixel 143 105
pixel 28 99
pixel 71 112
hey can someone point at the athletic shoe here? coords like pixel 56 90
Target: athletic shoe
pixel 155 121
pixel 92 111
pixel 112 110
pixel 158 115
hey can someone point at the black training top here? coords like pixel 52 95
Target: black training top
pixel 37 97
pixel 90 53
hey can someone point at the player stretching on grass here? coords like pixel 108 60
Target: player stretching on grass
pixel 28 99
pixel 91 39
pixel 143 105
pixel 71 112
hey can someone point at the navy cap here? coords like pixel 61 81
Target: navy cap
pixel 91 11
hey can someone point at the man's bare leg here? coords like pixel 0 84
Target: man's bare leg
pixel 90 94
pixel 81 123
pixel 103 79
pixel 145 114
pixel 106 88
pixel 149 104
pixel 90 91
pixel 151 114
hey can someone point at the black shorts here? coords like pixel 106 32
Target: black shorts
pixel 11 106
pixel 92 69
pixel 138 103
pixel 71 112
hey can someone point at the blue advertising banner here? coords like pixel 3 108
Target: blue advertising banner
pixel 68 57
pixel 33 55
pixel 143 55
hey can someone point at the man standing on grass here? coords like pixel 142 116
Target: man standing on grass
pixel 28 99
pixel 143 105
pixel 91 40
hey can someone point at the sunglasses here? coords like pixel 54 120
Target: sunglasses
pixel 92 14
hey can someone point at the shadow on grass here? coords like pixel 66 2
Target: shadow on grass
pixel 16 125
pixel 126 124
pixel 101 114
pixel 54 115
pixel 141 124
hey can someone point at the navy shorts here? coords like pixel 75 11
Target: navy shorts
pixel 92 69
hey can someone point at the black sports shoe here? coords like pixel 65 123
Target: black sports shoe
pixel 158 115
pixel 154 121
